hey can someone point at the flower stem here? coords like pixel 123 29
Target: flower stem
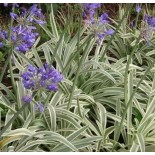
pixel 12 77
pixel 77 74
pixel 5 66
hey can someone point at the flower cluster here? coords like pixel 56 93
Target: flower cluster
pixel 89 11
pixel 22 38
pixel 28 16
pixel 46 77
pixel 23 35
pixel 148 30
pixel 97 25
pixel 150 20
pixel 34 79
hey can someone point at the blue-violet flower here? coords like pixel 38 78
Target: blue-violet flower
pixel 37 78
pixel 39 107
pixel 27 99
pixel 138 8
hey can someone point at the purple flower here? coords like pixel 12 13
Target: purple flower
pixel 91 6
pixel 36 15
pixel 103 19
pixel 40 22
pixel 138 8
pixel 4 34
pixel 5 4
pixel 89 11
pixel 100 37
pixel 31 68
pixel 103 34
pixel 46 77
pixel 1 44
pixel 22 48
pixel 30 84
pixel 23 11
pixel 131 24
pixel 146 33
pixel 14 37
pixel 33 8
pixel 28 16
pixel 109 32
pixel 39 107
pixel 96 25
pixel 52 87
pixel 14 4
pixel 149 20
pixel 13 15
pixel 27 99
pixel 23 37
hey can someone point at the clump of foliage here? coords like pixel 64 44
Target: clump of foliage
pixel 91 90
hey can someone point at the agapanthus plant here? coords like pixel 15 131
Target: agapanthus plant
pixel 97 25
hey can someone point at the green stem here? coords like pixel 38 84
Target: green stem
pixel 126 97
pixel 117 28
pixel 76 53
pixel 126 89
pixel 136 21
pixel 129 111
pixel 12 77
pixel 76 76
pixel 46 102
pixel 13 118
pixel 5 66
pixel 78 43
pixel 126 72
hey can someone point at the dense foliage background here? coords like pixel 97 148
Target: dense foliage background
pixel 77 77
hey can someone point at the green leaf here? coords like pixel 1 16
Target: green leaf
pixel 141 142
